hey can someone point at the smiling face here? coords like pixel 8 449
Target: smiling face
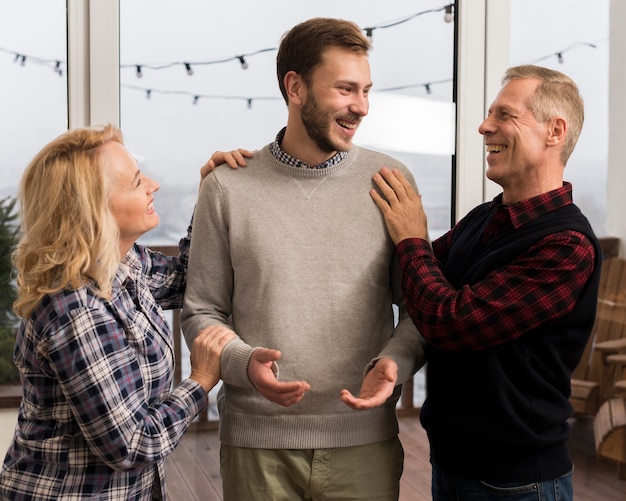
pixel 516 143
pixel 131 200
pixel 336 99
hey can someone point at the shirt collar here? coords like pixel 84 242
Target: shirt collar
pixel 129 268
pixel 287 159
pixel 527 210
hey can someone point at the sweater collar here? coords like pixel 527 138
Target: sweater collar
pixel 287 159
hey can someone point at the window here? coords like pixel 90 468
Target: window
pixel 33 87
pixel 184 92
pixel 573 37
pixel 33 104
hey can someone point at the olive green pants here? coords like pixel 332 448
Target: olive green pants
pixel 346 473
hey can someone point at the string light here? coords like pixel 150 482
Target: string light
pixel 189 64
pixel 427 86
pixel 140 68
pixel 54 64
pixel 196 97
pixel 559 54
pixel 369 31
pixel 57 65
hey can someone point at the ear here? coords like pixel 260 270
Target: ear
pixel 557 131
pixel 294 86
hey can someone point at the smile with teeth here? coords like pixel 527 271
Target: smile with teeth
pixel 495 148
pixel 347 125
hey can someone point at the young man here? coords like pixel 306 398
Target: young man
pixel 293 253
pixel 505 300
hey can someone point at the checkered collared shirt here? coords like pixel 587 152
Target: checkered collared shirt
pixel 98 415
pixel 287 159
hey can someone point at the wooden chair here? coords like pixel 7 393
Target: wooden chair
pixel 609 424
pixel 590 385
pixel 609 427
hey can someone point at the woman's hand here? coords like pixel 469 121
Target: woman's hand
pixel 205 355
pixel 234 158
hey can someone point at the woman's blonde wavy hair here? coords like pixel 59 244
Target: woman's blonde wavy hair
pixel 69 238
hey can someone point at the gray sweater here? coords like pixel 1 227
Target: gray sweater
pixel 299 260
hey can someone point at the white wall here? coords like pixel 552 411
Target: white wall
pixel 8 420
pixel 616 201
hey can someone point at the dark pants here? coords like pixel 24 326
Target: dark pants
pixel 453 488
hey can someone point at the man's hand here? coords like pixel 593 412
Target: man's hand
pixel 401 206
pixel 377 386
pixel 264 380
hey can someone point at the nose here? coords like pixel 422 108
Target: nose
pixel 360 104
pixel 152 185
pixel 485 127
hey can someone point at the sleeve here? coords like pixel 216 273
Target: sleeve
pixel 208 297
pixel 406 346
pixel 165 276
pixel 540 285
pixel 108 393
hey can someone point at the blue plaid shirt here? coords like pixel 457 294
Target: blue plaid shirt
pixel 98 415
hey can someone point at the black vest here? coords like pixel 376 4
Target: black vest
pixel 501 413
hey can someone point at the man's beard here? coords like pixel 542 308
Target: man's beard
pixel 317 124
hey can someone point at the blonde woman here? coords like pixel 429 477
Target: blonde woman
pixel 95 353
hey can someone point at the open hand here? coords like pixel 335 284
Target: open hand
pixel 377 386
pixel 264 379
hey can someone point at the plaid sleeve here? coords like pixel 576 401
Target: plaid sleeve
pixel 112 389
pixel 166 276
pixel 542 284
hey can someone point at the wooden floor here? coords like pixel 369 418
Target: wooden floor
pixel 193 468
